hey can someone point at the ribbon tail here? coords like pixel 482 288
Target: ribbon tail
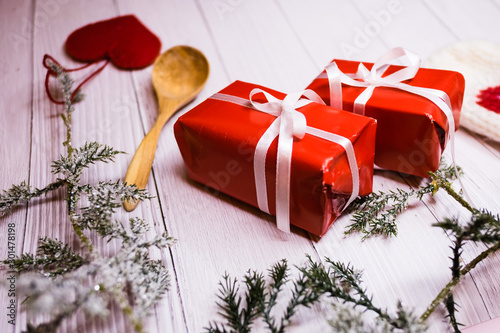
pixel 283 173
pixel 353 165
pixel 259 164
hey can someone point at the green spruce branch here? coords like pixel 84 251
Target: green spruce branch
pixel 22 193
pixel 60 281
pixel 484 228
pixel 372 217
pixel 52 258
pixel 376 213
pixel 316 283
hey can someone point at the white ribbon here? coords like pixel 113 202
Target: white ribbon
pixel 289 123
pixel 372 79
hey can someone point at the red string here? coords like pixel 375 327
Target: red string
pixel 51 72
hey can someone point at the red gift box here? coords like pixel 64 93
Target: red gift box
pixel 218 140
pixel 412 130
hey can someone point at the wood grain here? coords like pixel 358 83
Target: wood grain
pixel 279 44
pixel 15 128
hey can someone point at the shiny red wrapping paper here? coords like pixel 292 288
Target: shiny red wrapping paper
pixel 411 130
pixel 217 140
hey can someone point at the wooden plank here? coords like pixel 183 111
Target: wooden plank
pixel 108 114
pixel 15 138
pixel 331 29
pixel 476 178
pixel 466 20
pixel 408 24
pixel 180 23
pixel 48 216
pixel 393 28
pixel 257 45
pixel 490 326
pixel 467 157
pixel 395 268
pixel 475 21
pixel 203 221
pixel 170 34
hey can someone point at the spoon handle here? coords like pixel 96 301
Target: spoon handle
pixel 140 165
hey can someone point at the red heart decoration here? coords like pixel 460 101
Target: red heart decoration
pixel 490 99
pixel 124 40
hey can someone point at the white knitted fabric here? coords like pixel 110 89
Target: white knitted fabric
pixel 479 62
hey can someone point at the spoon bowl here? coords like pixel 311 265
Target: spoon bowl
pixel 178 75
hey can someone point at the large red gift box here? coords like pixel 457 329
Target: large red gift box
pixel 218 140
pixel 412 130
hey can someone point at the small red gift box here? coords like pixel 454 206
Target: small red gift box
pixel 413 106
pixel 221 143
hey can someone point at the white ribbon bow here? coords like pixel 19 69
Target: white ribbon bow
pixel 372 79
pixel 289 123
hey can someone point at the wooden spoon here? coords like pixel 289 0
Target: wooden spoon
pixel 178 76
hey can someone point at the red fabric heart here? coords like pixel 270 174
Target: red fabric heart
pixel 490 99
pixel 123 40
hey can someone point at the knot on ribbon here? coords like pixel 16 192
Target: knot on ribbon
pixel 292 121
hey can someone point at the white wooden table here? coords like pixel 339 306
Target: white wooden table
pixel 280 44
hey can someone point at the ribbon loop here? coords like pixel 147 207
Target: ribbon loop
pixel 406 73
